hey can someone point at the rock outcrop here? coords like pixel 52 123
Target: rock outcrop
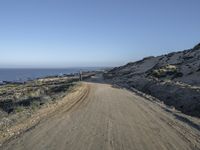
pixel 173 78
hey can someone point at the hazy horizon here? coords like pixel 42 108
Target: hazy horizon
pixel 106 33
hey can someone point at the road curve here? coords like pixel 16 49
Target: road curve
pixel 109 119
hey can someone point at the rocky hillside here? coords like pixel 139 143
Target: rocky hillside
pixel 173 78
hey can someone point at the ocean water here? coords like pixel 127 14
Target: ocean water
pixel 29 74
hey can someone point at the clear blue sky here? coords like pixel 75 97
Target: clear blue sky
pixel 72 33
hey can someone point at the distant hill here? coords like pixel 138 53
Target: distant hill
pixel 173 78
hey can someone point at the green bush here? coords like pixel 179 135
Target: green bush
pixel 164 71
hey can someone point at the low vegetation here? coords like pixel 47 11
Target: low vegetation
pixel 14 98
pixel 167 70
pixel 19 101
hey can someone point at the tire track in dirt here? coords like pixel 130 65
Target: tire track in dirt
pixel 110 119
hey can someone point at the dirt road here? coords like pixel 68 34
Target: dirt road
pixel 109 118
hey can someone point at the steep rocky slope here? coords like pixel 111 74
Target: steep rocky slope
pixel 173 78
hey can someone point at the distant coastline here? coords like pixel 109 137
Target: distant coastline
pixel 24 74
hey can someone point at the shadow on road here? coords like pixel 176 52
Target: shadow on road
pixel 98 78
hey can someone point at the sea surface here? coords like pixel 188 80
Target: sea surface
pixel 29 74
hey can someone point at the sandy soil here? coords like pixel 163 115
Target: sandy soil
pixel 109 118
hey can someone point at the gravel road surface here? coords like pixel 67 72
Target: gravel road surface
pixel 109 118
